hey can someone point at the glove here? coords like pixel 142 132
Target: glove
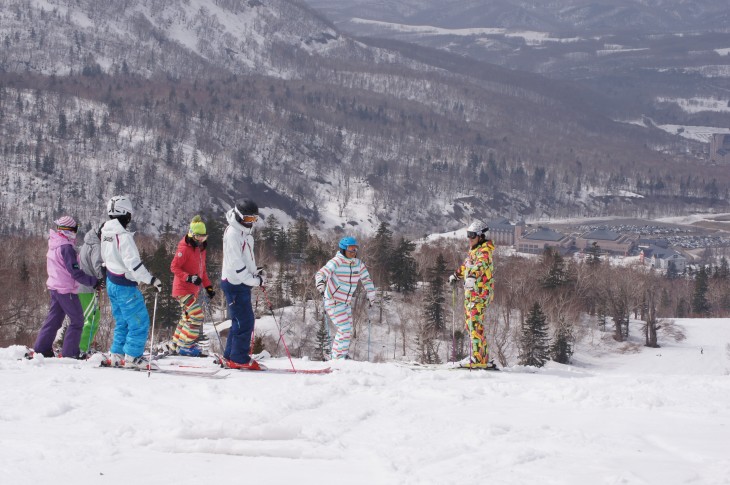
pixel 100 284
pixel 210 291
pixel 470 282
pixel 260 271
pixel 157 284
pixel 261 279
pixel 320 288
pixel 453 279
pixel 194 279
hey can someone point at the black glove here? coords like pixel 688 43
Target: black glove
pixel 100 284
pixel 261 280
pixel 320 287
pixel 194 279
pixel 210 291
pixel 157 284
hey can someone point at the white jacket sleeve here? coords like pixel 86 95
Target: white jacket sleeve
pixel 132 260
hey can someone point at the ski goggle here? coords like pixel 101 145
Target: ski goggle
pixel 471 234
pixel 200 237
pixel 247 219
pixel 352 249
pixel 68 228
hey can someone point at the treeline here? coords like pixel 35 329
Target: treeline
pixel 543 305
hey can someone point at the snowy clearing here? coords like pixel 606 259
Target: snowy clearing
pixel 644 416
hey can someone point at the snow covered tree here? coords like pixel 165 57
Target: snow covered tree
pixel 533 339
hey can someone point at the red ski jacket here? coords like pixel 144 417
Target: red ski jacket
pixel 188 260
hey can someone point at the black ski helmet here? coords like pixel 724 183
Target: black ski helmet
pixel 246 207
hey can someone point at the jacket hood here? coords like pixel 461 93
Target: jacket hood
pixel 113 226
pixel 91 237
pixel 231 218
pixel 56 239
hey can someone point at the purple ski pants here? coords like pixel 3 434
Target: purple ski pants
pixel 62 304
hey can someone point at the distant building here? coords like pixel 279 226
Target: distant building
pixel 659 258
pixel 609 241
pixel 535 242
pixel 503 232
pixel 720 148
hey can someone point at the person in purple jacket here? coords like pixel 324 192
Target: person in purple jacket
pixel 64 278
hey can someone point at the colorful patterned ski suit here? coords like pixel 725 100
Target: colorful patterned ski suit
pixel 477 274
pixel 340 276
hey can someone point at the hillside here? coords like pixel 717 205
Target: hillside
pixel 651 416
pixel 191 106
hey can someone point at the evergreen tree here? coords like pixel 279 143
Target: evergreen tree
pixel 298 236
pixel 722 272
pixel 379 253
pixel 556 275
pixel 324 341
pixel 534 339
pixel 403 267
pixel 168 309
pixel 672 273
pixel 434 299
pixel 700 304
pixel 267 235
pixel 562 347
pixel 593 254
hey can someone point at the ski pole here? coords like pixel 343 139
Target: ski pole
pixel 209 316
pixel 369 329
pixel 94 305
pixel 152 336
pixel 281 334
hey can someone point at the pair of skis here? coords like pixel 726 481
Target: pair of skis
pixel 219 359
pixel 448 366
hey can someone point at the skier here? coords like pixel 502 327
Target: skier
pixel 477 274
pixel 91 263
pixel 124 271
pixel 336 281
pixel 240 274
pixel 64 278
pixel 190 272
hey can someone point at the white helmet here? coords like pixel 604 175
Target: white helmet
pixel 477 226
pixel 119 205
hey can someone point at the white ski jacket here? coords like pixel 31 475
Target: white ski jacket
pixel 239 263
pixel 121 256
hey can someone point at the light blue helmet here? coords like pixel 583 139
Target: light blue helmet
pixel 348 241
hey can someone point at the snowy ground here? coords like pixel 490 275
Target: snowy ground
pixel 654 416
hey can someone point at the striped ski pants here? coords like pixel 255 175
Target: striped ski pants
pixel 341 316
pixel 191 320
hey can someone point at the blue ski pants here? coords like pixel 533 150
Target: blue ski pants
pixel 242 318
pixel 131 319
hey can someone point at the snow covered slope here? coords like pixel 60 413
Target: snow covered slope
pixel 653 416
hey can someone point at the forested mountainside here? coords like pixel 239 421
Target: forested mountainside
pixel 190 105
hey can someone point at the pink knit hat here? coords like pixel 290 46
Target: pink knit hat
pixel 66 226
pixel 65 223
